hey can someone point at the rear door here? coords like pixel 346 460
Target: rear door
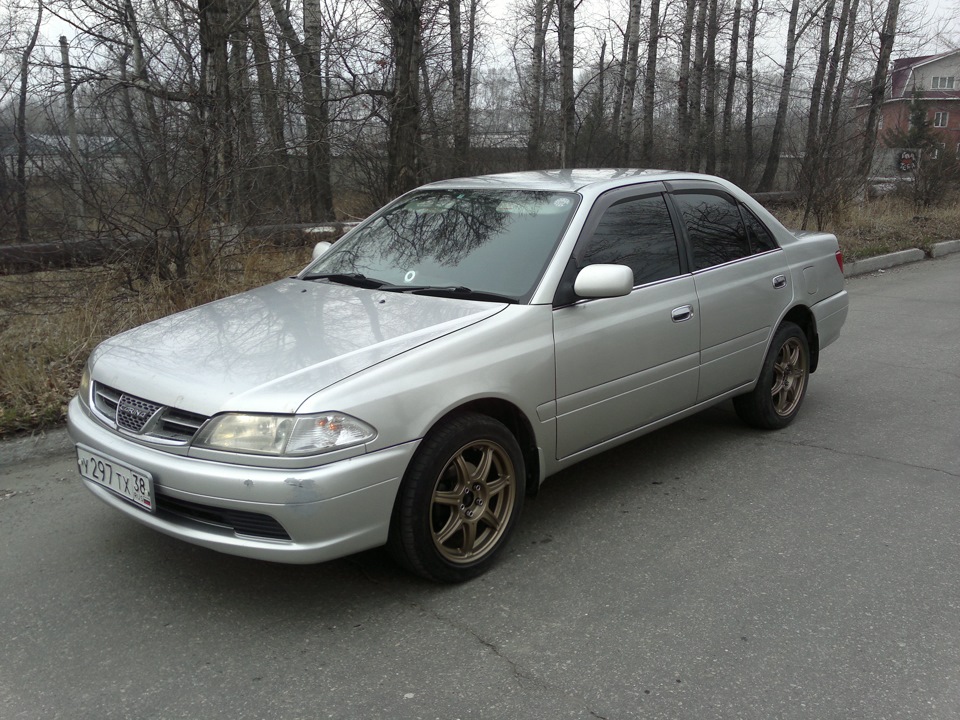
pixel 742 284
pixel 627 361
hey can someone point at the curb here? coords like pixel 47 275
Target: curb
pixel 903 257
pixel 40 445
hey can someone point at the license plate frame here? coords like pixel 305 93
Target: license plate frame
pixel 128 482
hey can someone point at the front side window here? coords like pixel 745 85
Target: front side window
pixel 714 227
pixel 940 119
pixel 494 241
pixel 943 83
pixel 637 233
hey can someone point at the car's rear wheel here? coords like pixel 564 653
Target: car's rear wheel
pixel 782 385
pixel 460 499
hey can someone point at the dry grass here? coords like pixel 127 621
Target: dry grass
pixel 887 225
pixel 50 321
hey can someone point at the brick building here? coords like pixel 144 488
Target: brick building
pixel 937 79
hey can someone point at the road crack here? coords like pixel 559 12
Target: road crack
pixel 518 672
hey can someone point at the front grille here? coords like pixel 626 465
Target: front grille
pixel 239 521
pixel 144 417
pixel 133 413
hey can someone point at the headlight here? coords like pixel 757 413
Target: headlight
pixel 284 434
pixel 83 392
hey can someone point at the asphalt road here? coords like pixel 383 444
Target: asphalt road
pixel 705 571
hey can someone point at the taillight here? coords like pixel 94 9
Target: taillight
pixel 840 259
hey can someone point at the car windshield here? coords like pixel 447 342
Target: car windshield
pixel 479 241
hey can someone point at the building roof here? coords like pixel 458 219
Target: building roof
pixel 902 81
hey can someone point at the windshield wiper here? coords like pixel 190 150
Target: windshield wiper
pixel 450 291
pixel 355 279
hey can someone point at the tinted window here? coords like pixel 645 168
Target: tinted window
pixel 760 238
pixel 715 228
pixel 636 233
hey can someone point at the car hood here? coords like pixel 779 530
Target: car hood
pixel 269 349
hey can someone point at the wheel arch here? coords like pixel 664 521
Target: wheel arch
pixel 514 419
pixel 802 316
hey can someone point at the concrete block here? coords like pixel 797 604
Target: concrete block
pixel 945 248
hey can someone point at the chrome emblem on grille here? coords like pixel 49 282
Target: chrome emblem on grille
pixel 133 414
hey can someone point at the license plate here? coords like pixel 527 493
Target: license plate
pixel 128 482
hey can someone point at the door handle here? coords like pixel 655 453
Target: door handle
pixel 779 282
pixel 681 313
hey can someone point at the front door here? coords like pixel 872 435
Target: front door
pixel 625 362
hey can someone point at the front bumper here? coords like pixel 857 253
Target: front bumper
pixel 327 511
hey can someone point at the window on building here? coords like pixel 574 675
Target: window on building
pixel 943 83
pixel 940 119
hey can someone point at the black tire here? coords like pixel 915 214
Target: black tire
pixel 459 501
pixel 776 400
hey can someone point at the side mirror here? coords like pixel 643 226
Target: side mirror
pixel 603 281
pixel 320 248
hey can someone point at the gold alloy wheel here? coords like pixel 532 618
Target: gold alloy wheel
pixel 473 501
pixel 789 377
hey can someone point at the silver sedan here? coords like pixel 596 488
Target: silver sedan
pixel 427 372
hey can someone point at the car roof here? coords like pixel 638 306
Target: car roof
pixel 568 180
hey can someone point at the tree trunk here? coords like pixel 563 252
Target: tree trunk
pixel 748 151
pixel 683 88
pixel 632 40
pixel 708 128
pixel 887 36
pixel 213 16
pixel 566 31
pixel 832 69
pixel 776 140
pixel 317 114
pixel 727 121
pixel 542 11
pixel 20 132
pixel 461 116
pixel 278 170
pixel 816 91
pixel 75 163
pixel 306 54
pixel 650 82
pixel 696 91
pixel 403 141
pixel 844 71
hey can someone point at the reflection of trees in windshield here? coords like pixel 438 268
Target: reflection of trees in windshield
pixel 495 241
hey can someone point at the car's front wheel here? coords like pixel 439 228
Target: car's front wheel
pixel 775 401
pixel 460 499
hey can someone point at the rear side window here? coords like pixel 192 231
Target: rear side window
pixel 637 233
pixel 715 228
pixel 760 238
